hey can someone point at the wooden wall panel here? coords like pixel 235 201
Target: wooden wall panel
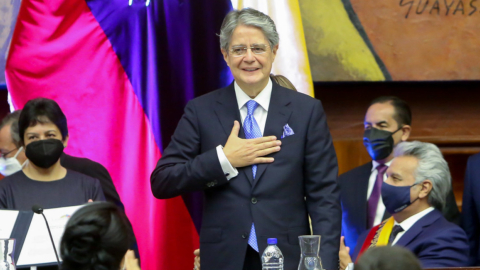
pixel 350 154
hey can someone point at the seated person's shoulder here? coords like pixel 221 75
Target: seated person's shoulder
pixel 442 228
pixel 78 163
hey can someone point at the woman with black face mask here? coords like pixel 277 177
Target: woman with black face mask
pixel 43 181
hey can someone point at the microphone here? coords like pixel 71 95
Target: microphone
pixel 39 210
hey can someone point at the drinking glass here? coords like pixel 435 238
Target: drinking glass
pixel 310 248
pixel 7 248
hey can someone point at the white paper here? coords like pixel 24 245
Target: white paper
pixel 7 221
pixel 37 248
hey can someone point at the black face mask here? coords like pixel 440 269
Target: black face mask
pixel 44 153
pixel 379 143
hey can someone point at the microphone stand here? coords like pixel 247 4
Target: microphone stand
pixel 39 210
pixel 51 238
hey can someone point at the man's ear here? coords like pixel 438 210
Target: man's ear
pixel 406 132
pixel 426 189
pixel 225 56
pixel 274 51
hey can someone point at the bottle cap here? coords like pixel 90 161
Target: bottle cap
pixel 272 241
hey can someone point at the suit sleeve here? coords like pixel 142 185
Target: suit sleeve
pixel 470 221
pixel 111 195
pixel 361 239
pixel 183 168
pixel 322 192
pixel 449 249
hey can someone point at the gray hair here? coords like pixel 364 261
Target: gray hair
pixel 248 17
pixel 13 120
pixel 431 166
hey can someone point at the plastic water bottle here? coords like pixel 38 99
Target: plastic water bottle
pixel 272 258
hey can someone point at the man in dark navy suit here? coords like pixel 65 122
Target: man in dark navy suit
pixel 471 208
pixel 262 154
pixel 387 123
pixel 414 193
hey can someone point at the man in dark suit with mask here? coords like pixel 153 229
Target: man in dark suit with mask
pixel 387 123
pixel 415 193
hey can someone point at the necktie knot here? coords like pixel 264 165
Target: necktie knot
pixel 395 230
pixel 382 168
pixel 251 106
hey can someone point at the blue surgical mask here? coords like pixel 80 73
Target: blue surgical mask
pixel 396 198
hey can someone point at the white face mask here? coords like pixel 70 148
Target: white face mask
pixel 9 166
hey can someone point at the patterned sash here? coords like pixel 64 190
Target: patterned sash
pixel 378 236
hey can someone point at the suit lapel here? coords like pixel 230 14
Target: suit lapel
pixel 360 189
pixel 227 111
pixel 277 117
pixel 417 228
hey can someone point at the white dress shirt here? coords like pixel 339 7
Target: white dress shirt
pixel 409 222
pixel 260 115
pixel 371 182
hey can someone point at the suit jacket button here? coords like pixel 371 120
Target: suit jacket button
pixel 244 236
pixel 254 200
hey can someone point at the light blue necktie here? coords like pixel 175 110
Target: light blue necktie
pixel 252 131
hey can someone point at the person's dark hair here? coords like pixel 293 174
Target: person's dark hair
pixel 96 238
pixel 283 81
pixel 403 114
pixel 42 110
pixel 388 258
pixel 12 119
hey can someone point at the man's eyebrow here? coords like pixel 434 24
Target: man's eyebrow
pixel 378 123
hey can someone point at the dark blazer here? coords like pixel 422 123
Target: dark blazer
pixel 435 241
pixel 353 195
pixel 96 170
pixel 301 181
pixel 471 207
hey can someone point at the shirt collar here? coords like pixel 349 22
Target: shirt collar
pixel 263 98
pixel 409 222
pixel 375 164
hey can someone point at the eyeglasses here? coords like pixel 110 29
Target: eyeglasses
pixel 4 155
pixel 238 51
